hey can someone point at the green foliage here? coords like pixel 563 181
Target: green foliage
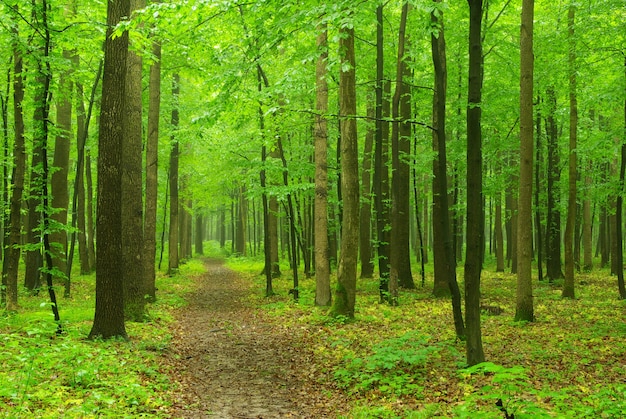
pixel 47 375
pixel 395 366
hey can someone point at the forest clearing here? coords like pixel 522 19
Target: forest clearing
pixel 215 346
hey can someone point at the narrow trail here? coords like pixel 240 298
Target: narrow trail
pixel 231 362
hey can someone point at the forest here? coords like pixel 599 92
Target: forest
pixel 415 206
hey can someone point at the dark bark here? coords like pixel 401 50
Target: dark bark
pixel 538 227
pixel 443 216
pixel 199 234
pixel 524 310
pixel 381 172
pixel 132 188
pixel 109 315
pixel 553 234
pixel 568 285
pixel 365 229
pixel 475 222
pixel 173 181
pixel 399 255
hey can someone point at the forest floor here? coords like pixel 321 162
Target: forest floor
pixel 230 361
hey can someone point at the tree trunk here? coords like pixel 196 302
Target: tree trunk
pixel 61 161
pixel 553 236
pixel 199 234
pixel 587 223
pixel 132 189
pixel 447 257
pixel 524 306
pixel 81 207
pixel 399 256
pixel 322 264
pixel 381 171
pixel 109 315
pixel 91 231
pixel 498 234
pixel 475 223
pixel 568 285
pixel 174 153
pixel 152 174
pixel 8 291
pixel 620 199
pixel 345 293
pixel 538 226
pixel 365 229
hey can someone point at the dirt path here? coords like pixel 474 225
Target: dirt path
pixel 230 362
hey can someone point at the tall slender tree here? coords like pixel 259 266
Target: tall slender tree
pixel 400 261
pixel 446 256
pixel 568 286
pixel 323 294
pixel 152 173
pixel 174 204
pixel 475 218
pixel 524 306
pixel 8 291
pixel 345 293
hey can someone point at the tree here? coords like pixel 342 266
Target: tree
pixel 553 236
pixel 12 250
pixel 132 189
pixel 381 171
pixel 399 253
pixel 441 213
pixel 152 173
pixel 174 204
pixel 568 286
pixel 524 306
pixel 109 314
pixel 345 293
pixel 475 221
pixel 322 264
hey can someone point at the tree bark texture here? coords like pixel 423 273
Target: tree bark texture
pixel 345 293
pixel 109 314
pixel 132 188
pixel 400 260
pixel 447 257
pixel 475 216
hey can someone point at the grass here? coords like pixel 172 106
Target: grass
pixel 45 375
pixel 405 362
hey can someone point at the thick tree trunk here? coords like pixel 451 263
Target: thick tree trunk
pixel 132 189
pixel 475 222
pixel 345 293
pixel 568 286
pixel 524 310
pixel 109 315
pixel 322 264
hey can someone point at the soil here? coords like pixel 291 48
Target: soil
pixel 230 361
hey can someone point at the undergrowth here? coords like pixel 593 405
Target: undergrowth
pixel 405 362
pixel 46 375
